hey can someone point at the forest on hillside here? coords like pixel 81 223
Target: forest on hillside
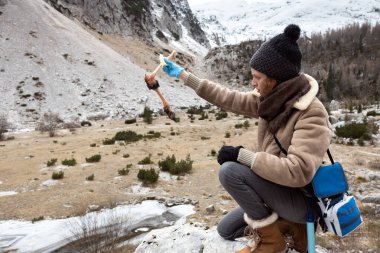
pixel 344 61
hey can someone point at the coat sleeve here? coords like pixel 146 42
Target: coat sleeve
pixel 310 141
pixel 244 103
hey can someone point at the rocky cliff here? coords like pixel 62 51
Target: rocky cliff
pixel 149 19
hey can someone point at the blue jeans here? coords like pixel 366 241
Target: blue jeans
pixel 258 198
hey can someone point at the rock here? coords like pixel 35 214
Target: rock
pixel 334 105
pixel 186 239
pixel 210 209
pixel 189 238
pixel 373 176
pixel 373 198
pixel 333 119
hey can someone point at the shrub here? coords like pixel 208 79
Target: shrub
pixel 40 218
pixel 239 125
pixel 130 121
pixel 246 124
pixel 203 116
pixel 168 163
pixel 204 138
pixel 49 123
pixel 191 117
pixel 361 142
pixel 374 164
pixel 57 175
pixel 195 110
pixel 94 158
pixel 147 115
pixel 152 135
pixel 353 131
pixel 127 136
pixel 93 145
pixel 125 155
pixel 123 171
pixel 4 125
pixel 51 162
pixel 69 162
pixel 176 168
pixel 146 160
pixel 90 177
pixel 227 135
pixel 372 113
pixel 86 123
pixel 182 166
pixel 148 176
pixel 109 141
pixel 213 152
pixel 221 115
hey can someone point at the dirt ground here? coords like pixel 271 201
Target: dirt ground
pixel 23 166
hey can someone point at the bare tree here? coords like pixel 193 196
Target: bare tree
pixel 49 123
pixel 4 125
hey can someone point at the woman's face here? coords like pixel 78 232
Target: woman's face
pixel 262 82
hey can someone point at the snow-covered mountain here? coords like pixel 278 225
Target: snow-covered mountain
pixel 230 22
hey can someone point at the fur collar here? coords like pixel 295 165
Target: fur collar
pixel 306 99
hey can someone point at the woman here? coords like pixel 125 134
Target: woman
pixel 267 184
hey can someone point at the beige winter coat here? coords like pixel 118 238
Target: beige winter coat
pixel 306 135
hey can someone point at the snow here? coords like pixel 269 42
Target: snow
pixel 8 193
pixel 49 182
pixel 47 235
pixel 241 20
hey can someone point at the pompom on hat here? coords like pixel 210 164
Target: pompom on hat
pixel 280 57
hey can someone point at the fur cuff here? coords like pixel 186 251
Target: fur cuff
pixel 255 224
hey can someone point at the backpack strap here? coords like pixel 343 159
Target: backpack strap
pixel 286 152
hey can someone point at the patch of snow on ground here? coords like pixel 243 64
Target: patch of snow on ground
pixel 138 189
pixel 49 235
pixel 49 182
pixel 8 193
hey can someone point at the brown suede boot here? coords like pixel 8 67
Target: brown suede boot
pixel 270 237
pixel 297 231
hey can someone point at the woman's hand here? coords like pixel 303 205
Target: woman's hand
pixel 228 153
pixel 172 69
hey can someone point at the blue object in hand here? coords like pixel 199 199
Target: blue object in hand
pixel 172 69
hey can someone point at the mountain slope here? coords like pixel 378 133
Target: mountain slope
pixel 48 62
pixel 169 21
pixel 230 22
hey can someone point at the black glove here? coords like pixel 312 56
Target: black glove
pixel 228 153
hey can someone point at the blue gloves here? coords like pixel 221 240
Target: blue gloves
pixel 172 69
pixel 228 153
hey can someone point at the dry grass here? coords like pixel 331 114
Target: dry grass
pixel 23 169
pixel 375 164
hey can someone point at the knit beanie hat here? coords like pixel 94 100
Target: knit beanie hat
pixel 280 57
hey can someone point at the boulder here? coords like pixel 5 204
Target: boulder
pixel 189 238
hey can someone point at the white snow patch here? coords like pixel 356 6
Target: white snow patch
pixel 48 235
pixel 8 193
pixel 166 176
pixel 241 20
pixel 138 189
pixel 49 182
